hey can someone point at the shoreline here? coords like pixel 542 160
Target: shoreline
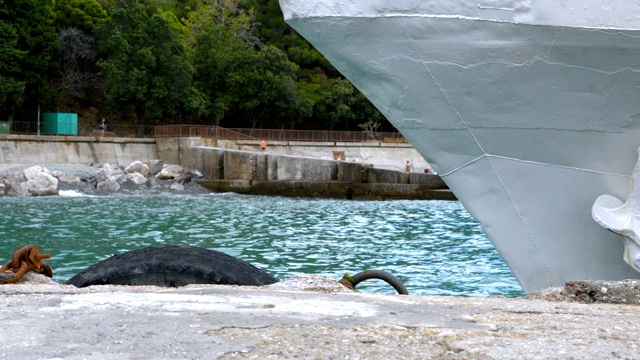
pixel 298 169
pixel 86 174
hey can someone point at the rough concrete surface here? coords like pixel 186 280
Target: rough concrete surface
pixel 307 318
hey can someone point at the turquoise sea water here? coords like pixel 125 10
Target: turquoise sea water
pixel 433 247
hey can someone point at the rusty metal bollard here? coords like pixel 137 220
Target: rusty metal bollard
pixel 27 258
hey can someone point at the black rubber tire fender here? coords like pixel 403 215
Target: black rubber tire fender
pixel 381 275
pixel 171 266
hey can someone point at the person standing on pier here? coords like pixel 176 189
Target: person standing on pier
pixel 408 166
pixel 103 126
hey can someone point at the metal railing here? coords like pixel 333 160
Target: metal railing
pixel 206 131
pixel 216 132
pixel 62 128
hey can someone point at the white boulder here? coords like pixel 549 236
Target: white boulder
pixel 109 178
pixel 69 179
pixel 170 172
pixel 137 178
pixel 40 182
pixel 155 166
pixel 137 167
pixel 177 187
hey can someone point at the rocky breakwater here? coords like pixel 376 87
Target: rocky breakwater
pixel 138 178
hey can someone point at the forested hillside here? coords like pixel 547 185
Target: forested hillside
pixel 233 63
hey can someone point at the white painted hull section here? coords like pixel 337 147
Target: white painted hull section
pixel 527 109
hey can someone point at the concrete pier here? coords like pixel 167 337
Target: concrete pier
pixel 252 172
pixel 52 321
pixel 269 174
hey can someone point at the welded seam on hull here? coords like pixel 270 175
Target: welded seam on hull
pixel 504 188
pixel 528 162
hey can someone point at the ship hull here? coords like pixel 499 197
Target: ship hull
pixel 527 116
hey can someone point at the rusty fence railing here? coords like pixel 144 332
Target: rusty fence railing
pixel 217 132
pixel 66 129
pixel 204 131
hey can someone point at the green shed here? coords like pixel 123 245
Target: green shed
pixel 5 127
pixel 60 124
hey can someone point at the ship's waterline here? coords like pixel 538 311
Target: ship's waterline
pixel 434 247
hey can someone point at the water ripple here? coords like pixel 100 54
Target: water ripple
pixel 434 247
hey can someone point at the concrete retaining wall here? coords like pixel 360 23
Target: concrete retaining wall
pixel 43 150
pixel 273 174
pixel 331 189
pixel 390 156
pixel 225 164
pixel 46 150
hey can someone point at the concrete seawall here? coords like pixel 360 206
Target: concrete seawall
pixel 286 175
pixel 390 156
pixel 242 171
pixel 45 150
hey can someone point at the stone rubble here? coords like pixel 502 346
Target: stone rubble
pixel 138 178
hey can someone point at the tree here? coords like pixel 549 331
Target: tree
pixel 77 60
pixel 29 47
pixel 217 58
pixel 335 105
pixel 229 14
pixel 145 66
pixel 79 14
pixel 268 91
pixel 338 105
pixel 176 25
pixel 274 31
pixel 246 87
pixel 369 115
pixel 11 86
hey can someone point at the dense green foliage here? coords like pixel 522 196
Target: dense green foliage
pixel 234 63
pixel 80 14
pixel 145 66
pixel 28 57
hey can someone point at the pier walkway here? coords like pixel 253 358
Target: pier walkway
pixel 53 321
